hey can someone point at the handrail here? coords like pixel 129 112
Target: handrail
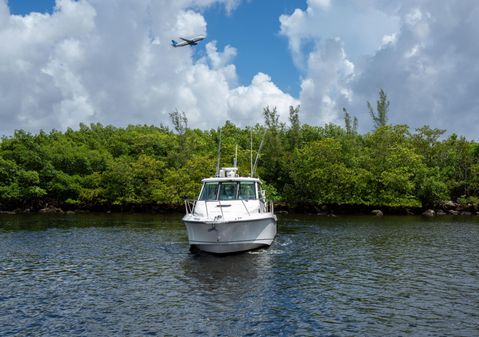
pixel 221 209
pixel 190 205
pixel 246 208
pixel 268 207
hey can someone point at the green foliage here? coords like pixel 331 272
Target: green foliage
pixel 322 175
pixel 471 200
pixel 431 186
pixel 184 183
pixel 271 192
pixel 294 132
pixel 18 185
pixel 351 126
pixel 382 107
pixel 141 165
pixel 179 121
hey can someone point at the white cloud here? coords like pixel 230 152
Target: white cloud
pixel 295 28
pixel 429 73
pixel 31 96
pixel 389 39
pixel 220 59
pixel 190 23
pixel 221 62
pixel 329 72
pixel 245 102
pixel 361 27
pixel 425 60
pixel 231 5
pixel 109 61
pixel 324 4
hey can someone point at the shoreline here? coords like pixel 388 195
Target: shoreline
pixel 443 209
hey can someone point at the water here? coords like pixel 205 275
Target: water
pixel 132 275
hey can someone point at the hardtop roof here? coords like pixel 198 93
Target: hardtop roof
pixel 221 179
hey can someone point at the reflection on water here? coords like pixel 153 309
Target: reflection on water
pixel 134 275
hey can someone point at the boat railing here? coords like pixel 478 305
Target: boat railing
pixel 245 207
pixel 190 205
pixel 268 206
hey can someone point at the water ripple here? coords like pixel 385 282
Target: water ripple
pixel 322 277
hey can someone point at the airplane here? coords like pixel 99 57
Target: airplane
pixel 188 42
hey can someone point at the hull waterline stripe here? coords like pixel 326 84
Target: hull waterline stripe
pixel 225 222
pixel 227 242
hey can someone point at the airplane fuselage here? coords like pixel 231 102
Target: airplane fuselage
pixel 187 42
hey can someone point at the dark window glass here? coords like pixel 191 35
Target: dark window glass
pixel 228 191
pixel 247 190
pixel 210 191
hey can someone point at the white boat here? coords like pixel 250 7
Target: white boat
pixel 230 215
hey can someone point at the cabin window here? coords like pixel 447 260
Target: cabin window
pixel 247 190
pixel 228 191
pixel 210 191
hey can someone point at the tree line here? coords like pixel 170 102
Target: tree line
pixel 142 166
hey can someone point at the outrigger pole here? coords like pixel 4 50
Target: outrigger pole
pixel 235 162
pixel 251 153
pixel 219 158
pixel 257 155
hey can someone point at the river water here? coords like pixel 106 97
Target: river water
pixel 133 275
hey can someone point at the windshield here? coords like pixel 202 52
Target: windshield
pixel 210 191
pixel 247 190
pixel 229 190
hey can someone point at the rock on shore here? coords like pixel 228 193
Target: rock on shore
pixel 51 210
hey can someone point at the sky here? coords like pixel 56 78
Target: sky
pixel 68 62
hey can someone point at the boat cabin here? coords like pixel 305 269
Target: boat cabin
pixel 227 185
pixel 229 190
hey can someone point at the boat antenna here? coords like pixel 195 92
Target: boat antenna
pixel 257 155
pixel 251 153
pixel 219 157
pixel 235 162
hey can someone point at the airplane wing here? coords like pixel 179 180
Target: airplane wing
pixel 186 40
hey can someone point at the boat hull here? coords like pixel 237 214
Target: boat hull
pixel 223 237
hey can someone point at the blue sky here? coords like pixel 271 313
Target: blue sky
pixel 109 61
pixel 253 28
pixel 23 7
